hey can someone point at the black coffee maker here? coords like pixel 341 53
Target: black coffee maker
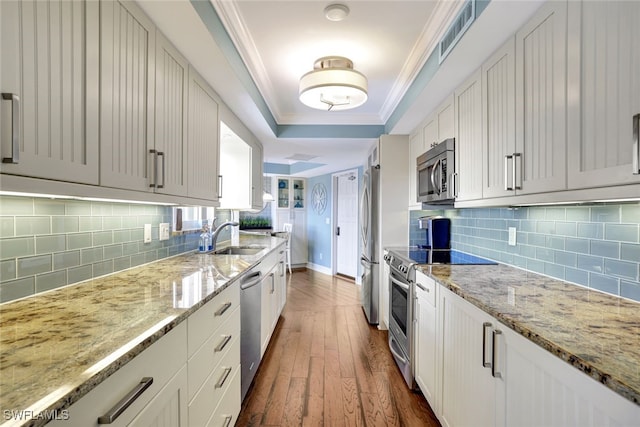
pixel 438 230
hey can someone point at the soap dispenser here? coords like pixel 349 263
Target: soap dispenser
pixel 204 243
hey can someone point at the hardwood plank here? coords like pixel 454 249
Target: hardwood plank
pixel 351 403
pixel 326 366
pixel 295 403
pixel 314 407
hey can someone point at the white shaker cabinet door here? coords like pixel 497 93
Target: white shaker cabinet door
pixel 604 92
pixel 541 65
pixel 49 82
pixel 127 50
pixel 172 89
pixel 468 134
pixel 416 148
pixel 498 120
pixel 204 140
pixel 468 387
pixel 537 388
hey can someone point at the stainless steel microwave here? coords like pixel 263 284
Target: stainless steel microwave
pixel 436 173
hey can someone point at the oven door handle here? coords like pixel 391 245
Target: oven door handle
pixel 392 343
pixel 399 283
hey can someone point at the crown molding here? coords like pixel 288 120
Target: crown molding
pixel 439 21
pixel 240 35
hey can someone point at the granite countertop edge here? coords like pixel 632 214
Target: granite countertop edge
pixel 520 327
pixel 90 383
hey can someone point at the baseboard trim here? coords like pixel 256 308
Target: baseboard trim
pixel 319 268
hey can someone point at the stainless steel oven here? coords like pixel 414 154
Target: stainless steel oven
pixel 435 171
pixel 401 278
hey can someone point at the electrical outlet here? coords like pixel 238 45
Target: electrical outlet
pixel 147 233
pixel 512 236
pixel 164 231
pixel 511 295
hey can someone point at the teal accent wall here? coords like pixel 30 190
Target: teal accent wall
pixel 596 246
pixel 48 243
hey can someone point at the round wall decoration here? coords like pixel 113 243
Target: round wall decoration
pixel 319 198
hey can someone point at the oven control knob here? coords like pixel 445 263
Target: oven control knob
pixel 403 268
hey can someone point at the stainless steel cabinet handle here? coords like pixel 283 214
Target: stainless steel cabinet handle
pixel 223 378
pixel 515 185
pixel 126 401
pixel 154 153
pixel 222 344
pixel 485 364
pixel 282 272
pixel 227 421
pixel 494 372
pixel 161 154
pixel 273 283
pixel 506 172
pixel 15 127
pixel 636 144
pixel 222 309
pixel 422 287
pixel 219 186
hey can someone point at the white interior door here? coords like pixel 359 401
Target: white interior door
pixel 346 224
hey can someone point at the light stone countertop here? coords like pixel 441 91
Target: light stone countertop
pixel 597 333
pixel 51 344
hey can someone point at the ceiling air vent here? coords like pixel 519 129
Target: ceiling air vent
pixel 457 29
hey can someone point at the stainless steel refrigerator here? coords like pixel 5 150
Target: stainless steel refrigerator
pixel 369 242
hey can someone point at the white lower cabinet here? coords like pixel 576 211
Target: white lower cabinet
pixel 426 336
pixel 468 388
pixel 538 389
pixel 493 376
pixel 274 294
pixel 164 400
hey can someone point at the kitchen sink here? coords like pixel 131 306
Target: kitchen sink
pixel 239 250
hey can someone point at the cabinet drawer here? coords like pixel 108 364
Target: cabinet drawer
pixel 215 386
pixel 160 361
pixel 209 317
pixel 427 287
pixel 207 357
pixel 227 412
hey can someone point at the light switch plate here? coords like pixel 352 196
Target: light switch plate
pixel 147 233
pixel 164 231
pixel 512 236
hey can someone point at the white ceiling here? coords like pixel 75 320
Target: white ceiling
pixel 278 41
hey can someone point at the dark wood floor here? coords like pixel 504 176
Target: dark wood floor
pixel 326 366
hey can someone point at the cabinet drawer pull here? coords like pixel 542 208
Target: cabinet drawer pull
pixel 485 364
pixel 219 186
pixel 223 378
pixel 126 401
pixel 273 283
pixel 223 343
pixel 636 144
pixel 154 162
pixel 422 287
pixel 222 309
pixel 494 372
pixel 161 154
pixel 15 127
pixel 515 185
pixel 506 172
pixel 227 421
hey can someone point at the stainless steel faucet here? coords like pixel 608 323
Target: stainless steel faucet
pixel 216 232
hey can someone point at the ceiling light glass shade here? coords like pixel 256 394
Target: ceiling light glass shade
pixel 336 12
pixel 333 85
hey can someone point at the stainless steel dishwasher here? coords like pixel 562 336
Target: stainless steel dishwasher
pixel 250 309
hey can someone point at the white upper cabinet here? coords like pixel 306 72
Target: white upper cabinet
pixel 468 137
pixel 204 147
pixel 49 81
pixel 127 66
pixel 235 169
pixel 541 66
pixel 604 92
pixel 172 89
pixel 257 176
pixel 498 118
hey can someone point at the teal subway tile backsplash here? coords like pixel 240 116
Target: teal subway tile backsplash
pixel 48 243
pixel 596 246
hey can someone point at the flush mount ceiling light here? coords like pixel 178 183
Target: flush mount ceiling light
pixel 336 12
pixel 333 85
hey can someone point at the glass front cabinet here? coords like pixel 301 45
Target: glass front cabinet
pixel 290 193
